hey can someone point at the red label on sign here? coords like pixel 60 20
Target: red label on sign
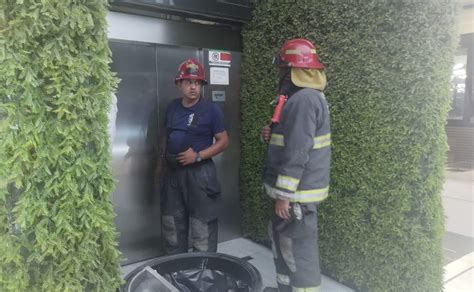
pixel 225 56
pixel 220 58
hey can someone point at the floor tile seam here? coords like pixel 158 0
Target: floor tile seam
pixel 458 275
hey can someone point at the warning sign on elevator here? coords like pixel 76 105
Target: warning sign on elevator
pixel 220 58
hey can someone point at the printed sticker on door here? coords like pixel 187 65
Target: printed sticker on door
pixel 219 76
pixel 220 58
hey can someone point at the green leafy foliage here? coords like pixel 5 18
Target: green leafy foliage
pixel 57 231
pixel 388 66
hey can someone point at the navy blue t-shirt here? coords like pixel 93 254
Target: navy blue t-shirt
pixel 193 126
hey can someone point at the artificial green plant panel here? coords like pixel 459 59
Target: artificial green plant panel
pixel 388 69
pixel 57 231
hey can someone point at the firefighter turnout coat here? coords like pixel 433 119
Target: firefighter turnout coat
pixel 299 152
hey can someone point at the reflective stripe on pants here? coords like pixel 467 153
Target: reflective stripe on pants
pixel 189 205
pixel 296 246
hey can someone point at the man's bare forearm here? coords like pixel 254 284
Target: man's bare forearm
pixel 222 142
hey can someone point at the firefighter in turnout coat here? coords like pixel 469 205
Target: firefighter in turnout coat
pixel 297 166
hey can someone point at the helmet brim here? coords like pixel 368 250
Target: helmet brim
pixel 203 81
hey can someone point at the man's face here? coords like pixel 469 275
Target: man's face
pixel 191 89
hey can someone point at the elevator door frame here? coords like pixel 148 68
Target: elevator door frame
pixel 126 37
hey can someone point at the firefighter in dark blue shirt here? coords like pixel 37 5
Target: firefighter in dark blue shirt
pixel 195 133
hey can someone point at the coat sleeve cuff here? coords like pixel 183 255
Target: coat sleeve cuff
pixel 287 183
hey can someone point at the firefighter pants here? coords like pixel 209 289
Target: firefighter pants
pixel 295 251
pixel 189 207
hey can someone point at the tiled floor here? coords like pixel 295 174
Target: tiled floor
pixel 456 246
pixel 459 263
pixel 458 252
pixel 459 275
pixel 262 259
pixel 458 201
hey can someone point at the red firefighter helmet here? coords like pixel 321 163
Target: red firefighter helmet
pixel 298 53
pixel 191 69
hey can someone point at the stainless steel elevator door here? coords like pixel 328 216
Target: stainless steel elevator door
pixel 134 151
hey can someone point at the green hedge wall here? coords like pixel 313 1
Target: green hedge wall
pixel 388 72
pixel 57 231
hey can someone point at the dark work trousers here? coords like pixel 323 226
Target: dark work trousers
pixel 189 207
pixel 295 250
